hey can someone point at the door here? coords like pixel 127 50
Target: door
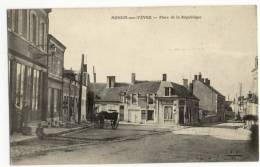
pixel 121 112
pixel 133 115
pixel 181 115
pixel 150 115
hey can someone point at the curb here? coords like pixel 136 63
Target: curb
pixel 13 143
pixel 66 131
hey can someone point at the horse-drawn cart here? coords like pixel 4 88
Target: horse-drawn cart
pixel 103 116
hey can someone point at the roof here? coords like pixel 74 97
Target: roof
pixel 108 94
pixel 210 87
pixel 181 91
pixel 56 41
pixel 144 88
pixel 213 89
pixel 148 87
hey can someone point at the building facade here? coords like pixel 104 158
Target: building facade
pixel 212 102
pixel 159 102
pixel 27 53
pixel 252 105
pixel 71 90
pixel 55 79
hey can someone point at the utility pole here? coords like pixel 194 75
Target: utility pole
pixel 80 89
pixel 94 79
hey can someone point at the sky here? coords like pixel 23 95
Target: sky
pixel 221 43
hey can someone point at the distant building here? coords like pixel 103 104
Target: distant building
pixel 71 96
pixel 229 110
pixel 55 79
pixel 212 102
pixel 27 53
pixel 255 77
pixel 252 97
pixel 160 102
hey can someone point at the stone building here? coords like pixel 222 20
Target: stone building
pixel 27 53
pixel 212 102
pixel 108 96
pixel 71 96
pixel 252 97
pixel 159 102
pixel 55 79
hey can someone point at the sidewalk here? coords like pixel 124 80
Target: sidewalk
pixel 50 131
pixel 155 125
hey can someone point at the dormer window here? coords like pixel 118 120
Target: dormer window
pixel 150 99
pixel 122 97
pixel 167 91
pixel 134 98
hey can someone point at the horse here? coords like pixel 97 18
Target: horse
pixel 103 115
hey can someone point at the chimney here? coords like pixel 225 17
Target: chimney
pixel 94 75
pixel 164 77
pixel 200 76
pixel 133 78
pixel 256 62
pixel 207 82
pixel 195 77
pixel 85 68
pixel 191 87
pixel 185 83
pixel 111 80
pixel 88 80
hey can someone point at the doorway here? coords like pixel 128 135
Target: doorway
pixel 181 115
pixel 150 115
pixel 121 112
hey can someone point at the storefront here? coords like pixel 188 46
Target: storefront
pixel 26 89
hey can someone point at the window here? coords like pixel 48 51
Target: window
pixel 16 20
pixel 168 113
pixel 35 90
pixel 150 99
pixel 9 19
pixel 122 98
pixel 150 115
pixel 134 99
pixel 18 85
pixel 167 91
pixel 42 35
pixel 24 23
pixel 28 85
pixel 34 29
pixel 49 100
pixel 55 100
pixel 59 68
pixel 143 115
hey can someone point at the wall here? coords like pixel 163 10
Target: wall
pixel 221 107
pixel 172 102
pixel 252 109
pixel 70 100
pixel 208 98
pixel 22 51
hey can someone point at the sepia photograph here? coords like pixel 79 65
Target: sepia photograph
pixel 133 85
